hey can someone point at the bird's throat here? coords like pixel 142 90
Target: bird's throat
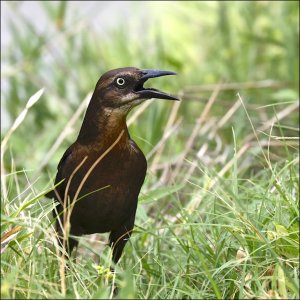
pixel 103 126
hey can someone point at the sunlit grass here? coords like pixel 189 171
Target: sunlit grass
pixel 215 237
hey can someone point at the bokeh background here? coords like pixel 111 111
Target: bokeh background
pixel 213 158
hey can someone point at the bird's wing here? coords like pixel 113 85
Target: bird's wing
pixel 59 176
pixel 64 157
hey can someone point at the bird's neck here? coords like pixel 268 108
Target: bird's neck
pixel 102 126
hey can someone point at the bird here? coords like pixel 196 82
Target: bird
pixel 99 177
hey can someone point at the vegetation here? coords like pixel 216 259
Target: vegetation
pixel 218 214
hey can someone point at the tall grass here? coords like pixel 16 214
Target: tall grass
pixel 218 214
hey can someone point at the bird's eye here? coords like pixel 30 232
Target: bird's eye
pixel 120 81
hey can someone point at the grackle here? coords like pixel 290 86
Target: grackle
pixel 101 174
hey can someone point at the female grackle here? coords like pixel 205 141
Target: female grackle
pixel 100 176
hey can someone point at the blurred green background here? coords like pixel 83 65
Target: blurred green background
pixel 237 125
pixel 64 47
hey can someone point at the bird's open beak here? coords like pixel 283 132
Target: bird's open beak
pixel 148 93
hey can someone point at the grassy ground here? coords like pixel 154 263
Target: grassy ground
pixel 218 214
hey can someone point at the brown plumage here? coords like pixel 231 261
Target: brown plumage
pixel 103 171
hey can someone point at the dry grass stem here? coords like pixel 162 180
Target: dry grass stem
pixel 65 132
pixel 167 133
pixel 238 86
pixel 194 133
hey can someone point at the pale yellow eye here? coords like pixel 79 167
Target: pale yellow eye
pixel 120 81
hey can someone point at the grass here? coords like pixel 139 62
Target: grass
pixel 218 214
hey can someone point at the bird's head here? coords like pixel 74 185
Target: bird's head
pixel 123 88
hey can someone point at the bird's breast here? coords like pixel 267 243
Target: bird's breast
pixel 110 191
